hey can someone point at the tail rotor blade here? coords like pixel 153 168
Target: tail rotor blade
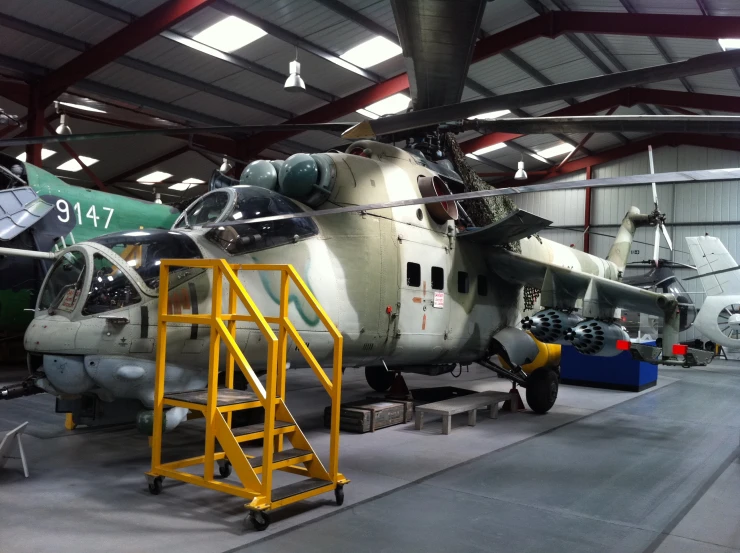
pixel 652 172
pixel 656 245
pixel 667 236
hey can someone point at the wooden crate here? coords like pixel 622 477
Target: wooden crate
pixel 370 415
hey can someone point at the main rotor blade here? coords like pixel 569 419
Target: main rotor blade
pixel 707 63
pixel 652 172
pixel 711 124
pixel 656 246
pixel 713 273
pixel 684 176
pixel 666 236
pixel 226 129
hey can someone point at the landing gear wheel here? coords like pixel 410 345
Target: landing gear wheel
pixel 155 486
pixel 224 469
pixel 339 494
pixel 379 379
pixel 542 390
pixel 259 520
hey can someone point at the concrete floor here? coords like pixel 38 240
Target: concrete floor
pixel 604 470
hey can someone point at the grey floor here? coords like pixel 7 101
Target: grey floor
pixel 604 471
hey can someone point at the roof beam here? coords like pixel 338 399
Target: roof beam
pixel 118 44
pixel 295 40
pixel 147 164
pixel 636 147
pixel 118 14
pixel 89 172
pixel 144 67
pixel 587 52
pixel 550 25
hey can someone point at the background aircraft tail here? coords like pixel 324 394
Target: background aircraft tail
pixel 715 265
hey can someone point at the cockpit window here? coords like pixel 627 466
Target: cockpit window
pixel 109 289
pixel 62 288
pixel 253 202
pixel 206 210
pixel 143 249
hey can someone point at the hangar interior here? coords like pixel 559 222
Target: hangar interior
pixel 648 466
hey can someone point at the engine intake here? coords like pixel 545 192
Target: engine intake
pixel 549 325
pixel 592 337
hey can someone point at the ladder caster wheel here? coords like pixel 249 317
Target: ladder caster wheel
pixel 224 469
pixel 155 486
pixel 259 520
pixel 339 494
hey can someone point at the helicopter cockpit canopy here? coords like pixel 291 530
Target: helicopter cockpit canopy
pixel 242 202
pixel 142 250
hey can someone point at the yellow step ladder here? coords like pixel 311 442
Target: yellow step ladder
pixel 217 404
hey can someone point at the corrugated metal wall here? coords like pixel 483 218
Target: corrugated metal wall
pixel 691 209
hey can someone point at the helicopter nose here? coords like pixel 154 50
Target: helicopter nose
pixel 51 333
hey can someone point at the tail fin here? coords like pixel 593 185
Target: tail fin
pixel 710 256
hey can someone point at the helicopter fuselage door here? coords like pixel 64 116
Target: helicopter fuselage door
pixel 424 312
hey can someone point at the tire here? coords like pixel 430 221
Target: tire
pixel 259 520
pixel 542 390
pixel 224 469
pixel 155 486
pixel 379 379
pixel 339 495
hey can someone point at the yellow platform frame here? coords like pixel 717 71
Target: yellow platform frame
pixel 270 397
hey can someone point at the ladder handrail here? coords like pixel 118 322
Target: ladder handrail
pixel 223 328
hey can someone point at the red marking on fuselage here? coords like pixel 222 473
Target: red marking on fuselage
pixel 416 300
pixel 424 288
pixel 424 322
pixel 178 300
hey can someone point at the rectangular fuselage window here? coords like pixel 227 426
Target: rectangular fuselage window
pixel 463 282
pixel 413 274
pixel 482 285
pixel 438 278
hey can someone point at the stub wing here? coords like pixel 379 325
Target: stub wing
pixel 564 288
pixel 515 226
pixel 715 265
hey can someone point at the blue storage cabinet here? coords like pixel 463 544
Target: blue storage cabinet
pixel 613 373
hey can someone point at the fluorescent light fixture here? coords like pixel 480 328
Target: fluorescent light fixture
pixel 371 52
pixel 156 176
pixel 83 107
pixel 72 166
pixel 491 148
pixel 44 154
pixel 491 114
pixel 186 184
pixel 387 106
pixel 729 43
pixel 229 34
pixel 367 114
pixel 559 150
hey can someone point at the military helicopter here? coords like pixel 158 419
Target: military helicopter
pixel 412 286
pixel 417 261
pixel 40 213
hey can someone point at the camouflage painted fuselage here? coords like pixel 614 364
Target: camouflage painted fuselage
pixel 361 267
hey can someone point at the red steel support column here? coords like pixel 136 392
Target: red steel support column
pixel 35 125
pixel 587 214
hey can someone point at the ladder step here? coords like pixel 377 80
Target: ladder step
pixel 279 456
pixel 226 396
pixel 258 427
pixel 297 488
